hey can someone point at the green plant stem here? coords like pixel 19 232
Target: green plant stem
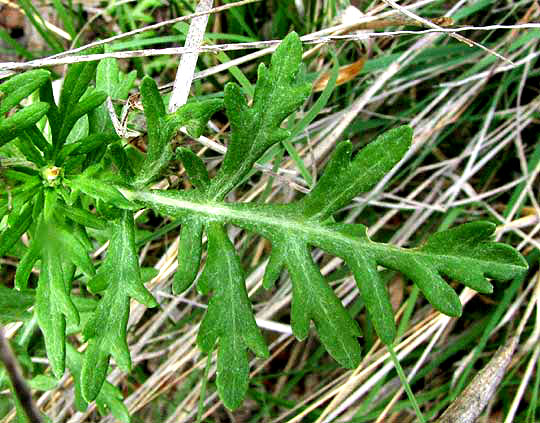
pixel 405 384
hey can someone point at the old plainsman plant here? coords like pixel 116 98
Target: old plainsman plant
pixel 71 178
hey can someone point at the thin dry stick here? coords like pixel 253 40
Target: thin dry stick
pixel 435 26
pixel 138 31
pixel 92 19
pixel 13 369
pixel 184 74
pixel 7 67
pixel 155 26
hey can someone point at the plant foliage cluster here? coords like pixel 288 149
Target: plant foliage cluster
pixel 76 181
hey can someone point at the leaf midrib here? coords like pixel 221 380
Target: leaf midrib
pixel 313 231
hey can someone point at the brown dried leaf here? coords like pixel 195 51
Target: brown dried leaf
pixel 346 73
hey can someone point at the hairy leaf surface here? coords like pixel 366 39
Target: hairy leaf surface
pixel 19 87
pixel 466 254
pixel 106 331
pixel 229 319
pixel 163 126
pixel 14 305
pixel 108 400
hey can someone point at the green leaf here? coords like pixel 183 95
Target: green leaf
pixel 84 217
pixel 466 253
pixel 86 145
pixel 162 127
pixel 189 255
pixel 86 307
pixel 49 310
pixel 26 146
pixel 17 226
pixel 28 260
pixel 34 135
pixel 88 103
pixel 54 248
pixel 76 83
pixel 195 168
pixel 112 81
pixel 313 299
pixel 14 305
pixel 375 296
pixel 194 116
pixel 121 161
pixel 344 178
pixel 19 87
pixel 109 398
pixel 61 251
pixel 43 383
pixel 125 82
pixel 11 127
pixel 107 75
pixel 76 250
pixel 255 129
pixel 159 151
pixel 99 190
pixel 73 102
pixel 154 110
pixel 22 195
pixel 229 319
pixel 106 331
pixel 100 281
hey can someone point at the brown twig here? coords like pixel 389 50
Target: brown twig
pixel 22 391
pixel 472 401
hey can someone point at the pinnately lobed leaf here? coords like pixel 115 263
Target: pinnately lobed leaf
pixel 106 331
pixel 162 127
pixel 229 318
pixel 255 129
pixel 466 253
pixel 60 253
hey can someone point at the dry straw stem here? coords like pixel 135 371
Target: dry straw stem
pixel 184 74
pixel 73 51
